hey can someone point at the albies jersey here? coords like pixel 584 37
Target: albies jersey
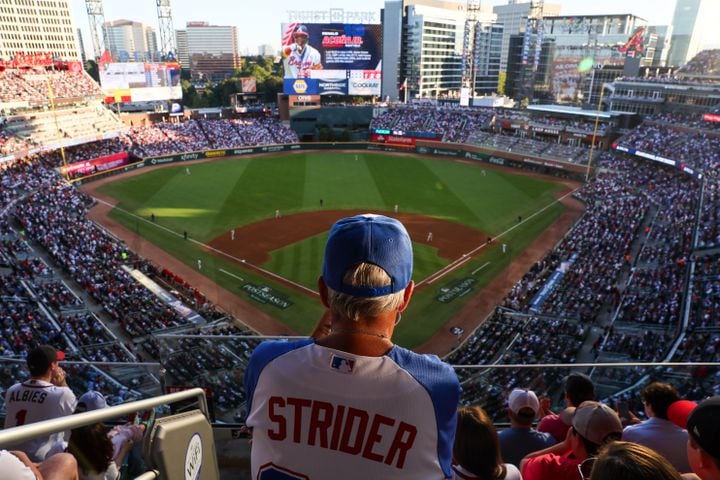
pixel 33 401
pixel 299 64
pixel 317 413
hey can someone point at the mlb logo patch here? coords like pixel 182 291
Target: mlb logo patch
pixel 342 364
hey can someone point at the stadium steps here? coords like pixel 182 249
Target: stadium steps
pixel 706 252
pixel 208 139
pixel 89 303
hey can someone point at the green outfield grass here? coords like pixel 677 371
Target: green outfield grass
pixel 221 195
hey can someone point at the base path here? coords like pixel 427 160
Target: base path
pixel 478 308
pixel 254 242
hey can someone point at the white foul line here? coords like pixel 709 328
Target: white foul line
pixel 219 252
pixel 455 264
pixel 231 274
pixel 480 268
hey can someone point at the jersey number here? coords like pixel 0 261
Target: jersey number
pixel 20 418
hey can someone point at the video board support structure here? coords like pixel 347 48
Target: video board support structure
pixel 96 18
pixel 166 28
pixel 468 53
pixel 534 26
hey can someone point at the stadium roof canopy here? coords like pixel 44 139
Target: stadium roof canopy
pixel 572 111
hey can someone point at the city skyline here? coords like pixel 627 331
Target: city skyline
pixel 263 26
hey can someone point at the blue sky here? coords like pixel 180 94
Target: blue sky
pixel 259 22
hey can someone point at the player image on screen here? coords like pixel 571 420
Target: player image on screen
pixel 299 57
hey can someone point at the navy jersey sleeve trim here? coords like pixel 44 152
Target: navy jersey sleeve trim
pixel 261 356
pixel 440 381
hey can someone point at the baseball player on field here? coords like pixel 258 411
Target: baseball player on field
pixel 300 58
pixel 45 396
pixel 349 400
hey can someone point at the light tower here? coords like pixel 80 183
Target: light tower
pixel 166 28
pixel 472 14
pixel 96 18
pixel 534 32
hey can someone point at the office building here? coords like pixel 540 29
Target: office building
pixel 426 36
pixel 487 57
pixel 81 46
pixel 182 49
pixel 664 41
pixel 525 79
pixel 131 41
pixel 694 28
pixel 267 50
pixel 513 17
pixel 212 50
pixel 33 26
pixel 612 40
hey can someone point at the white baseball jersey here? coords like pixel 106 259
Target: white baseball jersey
pixel 299 64
pixel 319 413
pixel 12 467
pixel 33 401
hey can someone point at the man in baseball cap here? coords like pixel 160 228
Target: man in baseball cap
pixel 45 396
pixel 578 388
pixel 703 446
pixel 593 425
pixel 300 58
pixel 351 400
pixel 521 439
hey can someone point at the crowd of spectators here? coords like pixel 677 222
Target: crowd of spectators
pixel 697 148
pixel 687 120
pixel 472 125
pixel 625 259
pixel 37 308
pixel 199 134
pixel 31 86
pixel 10 143
pixel 452 124
pixel 706 63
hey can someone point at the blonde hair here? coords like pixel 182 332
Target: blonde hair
pixel 631 461
pixel 355 308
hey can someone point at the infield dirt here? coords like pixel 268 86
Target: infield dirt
pixel 253 242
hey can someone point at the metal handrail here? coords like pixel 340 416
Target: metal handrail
pixel 589 365
pixel 25 432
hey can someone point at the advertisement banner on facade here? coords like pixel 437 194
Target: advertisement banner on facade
pixel 249 85
pixel 333 87
pixel 364 86
pixel 301 86
pixel 334 52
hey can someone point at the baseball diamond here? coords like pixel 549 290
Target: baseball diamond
pixel 264 266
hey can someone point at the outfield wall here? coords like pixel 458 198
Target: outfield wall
pixel 436 149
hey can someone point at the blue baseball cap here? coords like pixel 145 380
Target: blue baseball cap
pixel 90 400
pixel 368 238
pixel 301 30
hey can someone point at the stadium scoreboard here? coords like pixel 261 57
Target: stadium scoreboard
pixel 140 81
pixel 332 59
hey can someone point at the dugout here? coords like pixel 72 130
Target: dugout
pixel 327 124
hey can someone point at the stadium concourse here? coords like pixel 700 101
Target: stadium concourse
pixel 638 273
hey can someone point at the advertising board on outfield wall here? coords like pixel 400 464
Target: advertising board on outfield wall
pixel 421 147
pixel 332 59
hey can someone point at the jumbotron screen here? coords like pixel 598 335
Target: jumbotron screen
pixel 332 58
pixel 140 81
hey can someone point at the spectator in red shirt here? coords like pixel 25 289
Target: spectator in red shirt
pixel 593 426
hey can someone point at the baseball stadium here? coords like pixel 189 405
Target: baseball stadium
pixel 154 262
